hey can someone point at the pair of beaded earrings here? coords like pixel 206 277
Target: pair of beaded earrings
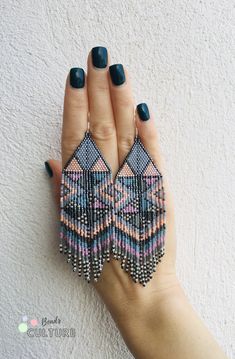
pixel 101 217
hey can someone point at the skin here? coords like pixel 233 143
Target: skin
pixel 156 321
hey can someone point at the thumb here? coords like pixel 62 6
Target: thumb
pixel 54 170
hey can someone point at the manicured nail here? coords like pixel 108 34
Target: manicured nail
pixel 143 112
pixel 48 169
pixel 77 77
pixel 99 57
pixel 117 74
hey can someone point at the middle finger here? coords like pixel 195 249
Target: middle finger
pixel 102 124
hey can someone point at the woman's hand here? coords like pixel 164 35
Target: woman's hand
pixel 105 95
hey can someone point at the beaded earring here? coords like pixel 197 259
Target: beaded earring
pixel 86 210
pixel 139 219
pixel 124 217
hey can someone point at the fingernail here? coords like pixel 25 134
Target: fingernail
pixel 99 57
pixel 143 112
pixel 77 77
pixel 48 169
pixel 117 74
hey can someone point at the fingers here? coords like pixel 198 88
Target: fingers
pixel 106 95
pixel 54 170
pixel 75 112
pixel 123 107
pixel 148 133
pixel 102 124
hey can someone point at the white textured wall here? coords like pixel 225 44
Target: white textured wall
pixel 179 54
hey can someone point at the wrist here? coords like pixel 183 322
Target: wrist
pixel 137 302
pixel 142 315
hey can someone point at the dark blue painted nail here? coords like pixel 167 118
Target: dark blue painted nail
pixel 77 77
pixel 99 57
pixel 143 112
pixel 48 169
pixel 117 74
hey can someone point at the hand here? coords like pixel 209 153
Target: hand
pixel 105 95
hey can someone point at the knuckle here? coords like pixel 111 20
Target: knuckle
pixel 151 135
pixel 126 142
pixel 103 131
pixel 102 86
pixel 70 143
pixel 125 101
pixel 98 82
pixel 75 102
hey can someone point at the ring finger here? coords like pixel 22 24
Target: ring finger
pixel 123 107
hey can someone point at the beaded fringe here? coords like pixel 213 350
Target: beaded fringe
pixel 99 217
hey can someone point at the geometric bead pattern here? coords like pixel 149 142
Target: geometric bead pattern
pixel 101 217
pixel 139 219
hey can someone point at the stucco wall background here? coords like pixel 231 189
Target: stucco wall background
pixel 180 56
